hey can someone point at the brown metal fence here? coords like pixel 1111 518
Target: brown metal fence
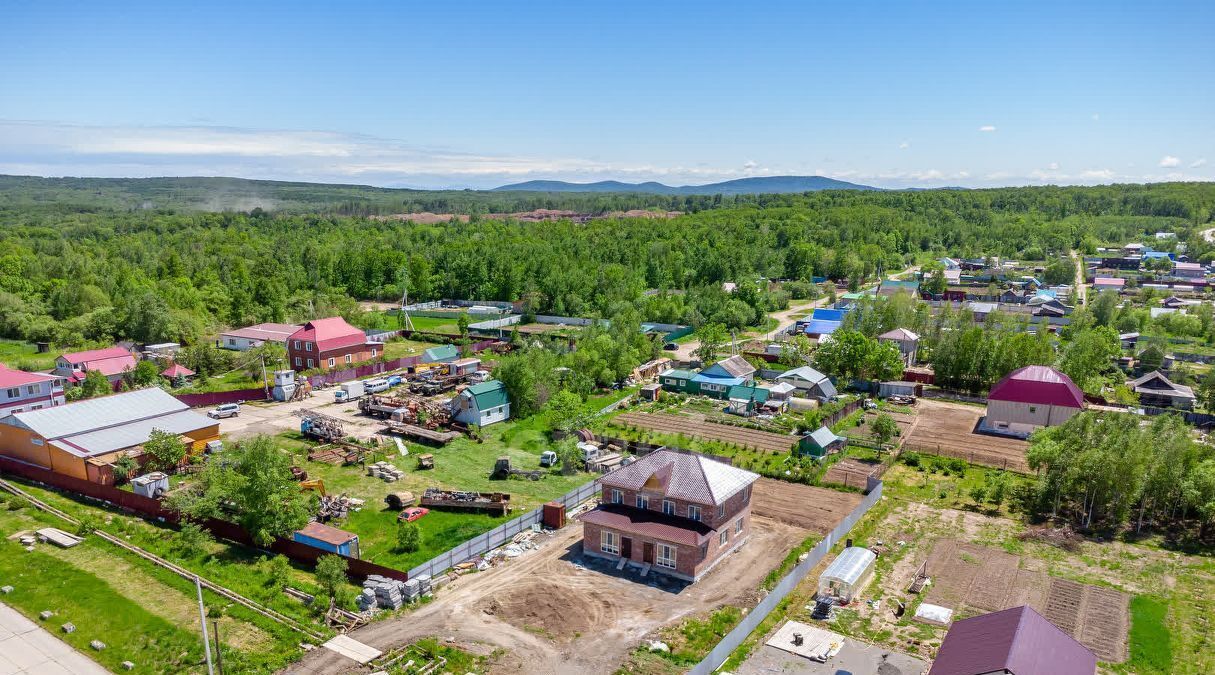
pixel 218 397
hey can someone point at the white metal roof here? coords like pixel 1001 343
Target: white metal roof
pixel 805 372
pixel 849 565
pixel 98 413
pixel 121 436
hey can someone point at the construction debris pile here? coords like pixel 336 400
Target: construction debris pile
pixel 388 593
pixel 337 508
pixel 519 544
pixel 385 472
pixel 490 502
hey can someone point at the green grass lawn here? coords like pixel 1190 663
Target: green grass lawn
pixel 400 348
pixel 230 381
pixel 1151 649
pixel 21 355
pixel 435 324
pixel 463 464
pixel 142 613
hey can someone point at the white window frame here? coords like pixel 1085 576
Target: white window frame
pixel 721 510
pixel 297 344
pixel 311 364
pixel 694 512
pixel 298 362
pixel 617 497
pixel 373 352
pixel 667 554
pixel 609 542
pixel 31 389
pixel 348 358
pixel 738 526
pixel 668 507
pixel 15 392
pixel 643 502
pixel 723 538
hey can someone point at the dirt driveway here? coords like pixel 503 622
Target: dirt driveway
pixel 554 611
pixel 275 418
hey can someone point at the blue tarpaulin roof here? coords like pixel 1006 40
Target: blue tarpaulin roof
pixel 829 314
pixel 819 327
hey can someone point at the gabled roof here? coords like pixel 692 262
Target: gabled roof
pixel 440 354
pixel 487 394
pixel 900 334
pixel 1038 384
pixel 821 327
pixel 1155 382
pixel 20 378
pixel 802 373
pixel 269 332
pixel 735 366
pixel 823 437
pixel 1018 640
pixel 1109 281
pixel 692 478
pixel 982 307
pixel 678 373
pixel 95 355
pixel 331 333
pixel 824 314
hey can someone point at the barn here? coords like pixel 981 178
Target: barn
pixel 1029 398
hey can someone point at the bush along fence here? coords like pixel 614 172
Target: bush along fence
pixel 500 535
pixel 751 621
pixel 153 509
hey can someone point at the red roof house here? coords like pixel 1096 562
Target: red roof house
pixel 670 512
pixel 329 343
pixel 21 391
pixel 176 370
pixel 111 362
pixel 1018 641
pixel 1031 397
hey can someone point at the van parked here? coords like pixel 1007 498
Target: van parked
pixel 375 386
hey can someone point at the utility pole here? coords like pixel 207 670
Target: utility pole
pixel 265 377
pixel 202 618
pixel 407 322
pixel 219 655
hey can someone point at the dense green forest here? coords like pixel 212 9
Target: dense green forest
pixel 80 261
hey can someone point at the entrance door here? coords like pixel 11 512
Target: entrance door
pixel 647 552
pixel 626 547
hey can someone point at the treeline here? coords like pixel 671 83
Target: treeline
pixel 74 271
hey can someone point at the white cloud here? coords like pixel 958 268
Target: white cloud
pixel 1198 162
pixel 1169 161
pixel 904 145
pixel 1096 117
pixel 750 165
pixel 1053 166
pixel 987 128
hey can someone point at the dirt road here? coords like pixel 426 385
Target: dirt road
pixel 544 614
pixel 1081 289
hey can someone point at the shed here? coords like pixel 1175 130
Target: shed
pixel 151 485
pixel 821 442
pixel 888 389
pixel 327 538
pixel 441 354
pixel 744 400
pixel 482 404
pixel 1019 641
pixel 650 392
pixel 175 371
pixel 463 366
pixel 847 575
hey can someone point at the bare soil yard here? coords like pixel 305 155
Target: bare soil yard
pixel 973 579
pixel 695 427
pixel 554 611
pixel 944 428
pixel 850 472
pixel 812 508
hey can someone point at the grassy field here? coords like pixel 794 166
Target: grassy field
pixel 142 613
pixel 463 464
pixel 24 356
pixel 230 381
pixel 400 348
pixel 434 324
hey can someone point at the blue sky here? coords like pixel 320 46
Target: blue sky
pixel 471 94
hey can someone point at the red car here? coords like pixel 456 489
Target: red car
pixel 412 513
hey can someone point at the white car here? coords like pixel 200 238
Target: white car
pixel 225 410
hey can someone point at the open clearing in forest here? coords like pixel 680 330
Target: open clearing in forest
pixel 947 429
pixel 676 425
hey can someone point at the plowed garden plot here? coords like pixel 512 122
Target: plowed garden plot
pixel 974 579
pixel 948 429
pixel 813 508
pixel 675 425
pixel 850 472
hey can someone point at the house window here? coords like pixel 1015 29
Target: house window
pixel 668 507
pixel 331 361
pixel 307 346
pixel 31 389
pixel 666 556
pixel 297 344
pixel 738 525
pixel 617 498
pixel 721 510
pixel 347 358
pixel 723 537
pixel 610 543
pixel 232 342
pixel 373 352
pixel 14 392
pixel 643 502
pixel 310 363
pixel 694 512
pixel 747 494
pixel 1033 409
pixel 297 361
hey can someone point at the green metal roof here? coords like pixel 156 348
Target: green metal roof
pixel 746 393
pixel 441 353
pixel 678 373
pixel 488 394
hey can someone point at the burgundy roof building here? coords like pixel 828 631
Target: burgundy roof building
pixel 111 362
pixel 1017 641
pixel 1031 397
pixel 669 512
pixel 329 343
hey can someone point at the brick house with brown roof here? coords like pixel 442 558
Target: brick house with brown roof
pixel 678 514
pixel 329 343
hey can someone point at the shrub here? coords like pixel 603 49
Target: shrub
pixel 911 459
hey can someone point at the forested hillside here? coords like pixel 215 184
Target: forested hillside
pixel 78 264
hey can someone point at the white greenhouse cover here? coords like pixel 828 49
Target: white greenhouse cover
pixel 850 565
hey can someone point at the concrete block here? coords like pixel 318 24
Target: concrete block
pixel 45 614
pixel 127 665
pixel 68 627
pixel 6 589
pixel 98 645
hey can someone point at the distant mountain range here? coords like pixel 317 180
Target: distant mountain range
pixel 741 186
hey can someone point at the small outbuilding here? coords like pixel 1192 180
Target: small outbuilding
pixel 650 392
pixel 846 576
pixel 176 371
pixel 907 342
pixel 441 354
pixel 808 380
pixel 328 538
pixel 888 389
pixel 1154 389
pixel 151 485
pixel 1017 641
pixel 482 404
pixel 821 442
pixel 745 400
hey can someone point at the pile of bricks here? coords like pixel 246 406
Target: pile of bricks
pixel 385 471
